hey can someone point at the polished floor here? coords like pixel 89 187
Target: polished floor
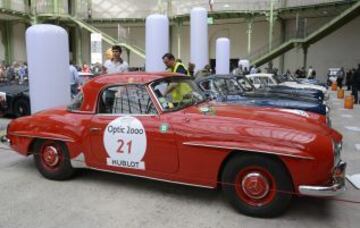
pixel 94 199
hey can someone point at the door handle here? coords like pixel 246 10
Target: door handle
pixel 95 129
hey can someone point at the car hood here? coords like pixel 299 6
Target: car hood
pixel 305 86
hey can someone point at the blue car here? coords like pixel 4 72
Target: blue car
pixel 234 89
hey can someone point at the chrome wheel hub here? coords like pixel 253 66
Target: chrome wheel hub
pixel 255 185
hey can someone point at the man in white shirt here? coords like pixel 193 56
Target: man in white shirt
pixel 74 80
pixel 116 64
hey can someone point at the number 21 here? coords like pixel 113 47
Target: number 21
pixel 121 145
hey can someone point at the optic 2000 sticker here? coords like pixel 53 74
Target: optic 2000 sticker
pixel 125 143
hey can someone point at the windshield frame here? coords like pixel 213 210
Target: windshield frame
pixel 174 79
pixel 237 78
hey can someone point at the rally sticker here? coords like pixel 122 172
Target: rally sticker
pixel 125 143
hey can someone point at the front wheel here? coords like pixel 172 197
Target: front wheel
pixel 52 159
pixel 257 185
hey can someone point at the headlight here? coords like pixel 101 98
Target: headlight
pixel 337 147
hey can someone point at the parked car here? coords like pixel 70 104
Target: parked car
pixel 291 78
pixel 239 90
pixel 161 126
pixel 275 80
pixel 15 100
pixel 268 82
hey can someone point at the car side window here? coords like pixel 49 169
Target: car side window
pixel 232 85
pixel 220 84
pixel 126 99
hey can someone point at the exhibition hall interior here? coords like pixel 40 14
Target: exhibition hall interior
pixel 179 113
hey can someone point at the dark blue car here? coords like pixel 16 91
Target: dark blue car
pixel 233 89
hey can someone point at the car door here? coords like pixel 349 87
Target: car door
pixel 128 133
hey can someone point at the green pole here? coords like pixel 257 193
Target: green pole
pixel 249 32
pixel 56 6
pixel 78 48
pixel 7 39
pixel 179 32
pixel 33 12
pixel 271 24
pixel 7 4
pixel 305 49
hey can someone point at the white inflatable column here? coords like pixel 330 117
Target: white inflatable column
pixel 47 48
pixel 199 38
pixel 222 56
pixel 156 41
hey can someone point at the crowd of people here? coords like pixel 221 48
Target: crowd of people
pixel 16 72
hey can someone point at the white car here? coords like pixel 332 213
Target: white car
pixel 271 80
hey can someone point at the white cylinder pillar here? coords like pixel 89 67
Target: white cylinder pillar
pixel 199 47
pixel 156 41
pixel 222 56
pixel 47 48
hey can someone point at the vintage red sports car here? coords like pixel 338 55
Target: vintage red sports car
pixel 160 126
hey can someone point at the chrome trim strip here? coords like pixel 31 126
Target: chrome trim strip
pixel 121 114
pixel 247 149
pixel 43 137
pixel 155 97
pixel 150 178
pixel 81 112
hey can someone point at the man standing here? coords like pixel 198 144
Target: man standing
pixel 355 84
pixel 116 64
pixel 173 65
pixel 74 80
pixel 340 77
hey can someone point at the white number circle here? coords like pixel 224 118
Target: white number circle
pixel 125 139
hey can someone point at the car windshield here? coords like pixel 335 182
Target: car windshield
pixel 76 102
pixel 278 79
pixel 226 86
pixel 245 84
pixel 177 93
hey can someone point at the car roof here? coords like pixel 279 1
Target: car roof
pixel 92 88
pixel 138 77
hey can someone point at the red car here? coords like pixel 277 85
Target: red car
pixel 160 126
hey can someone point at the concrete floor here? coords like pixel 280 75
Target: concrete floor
pixel 95 199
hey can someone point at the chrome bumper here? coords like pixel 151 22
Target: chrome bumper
pixel 336 188
pixel 5 140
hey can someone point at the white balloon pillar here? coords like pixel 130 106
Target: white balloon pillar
pixel 222 56
pixel 47 48
pixel 199 49
pixel 156 41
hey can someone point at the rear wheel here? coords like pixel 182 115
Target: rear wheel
pixel 52 159
pixel 257 185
